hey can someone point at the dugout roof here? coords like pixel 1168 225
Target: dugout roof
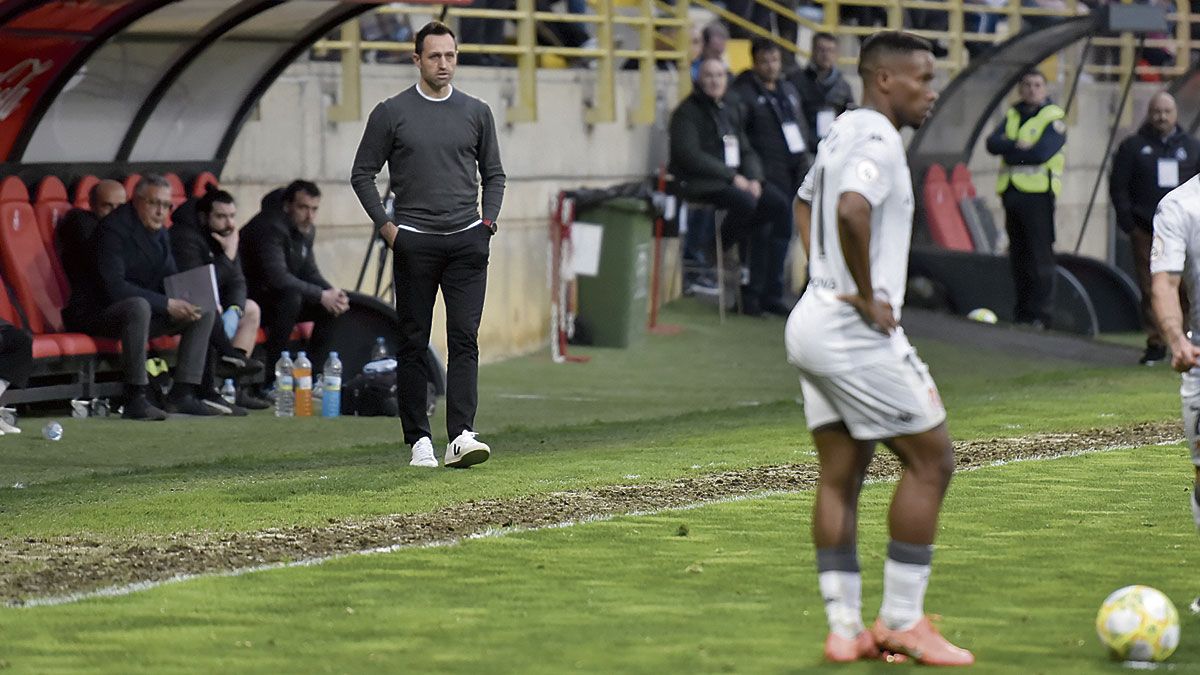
pixel 146 81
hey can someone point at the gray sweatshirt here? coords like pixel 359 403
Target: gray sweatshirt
pixel 435 150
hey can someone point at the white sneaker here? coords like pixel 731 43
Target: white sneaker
pixel 465 451
pixel 6 428
pixel 422 453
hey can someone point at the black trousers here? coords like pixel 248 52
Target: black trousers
pixel 1029 220
pixel 16 354
pixel 133 322
pixel 280 314
pixel 457 264
pixel 762 225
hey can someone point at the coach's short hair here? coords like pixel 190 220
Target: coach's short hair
pixel 307 187
pixel 889 42
pixel 205 204
pixel 432 28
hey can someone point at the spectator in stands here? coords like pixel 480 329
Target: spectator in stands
pixel 1156 159
pixel 1030 144
pixel 779 134
pixel 713 40
pixel 481 31
pixel 133 258
pixel 281 269
pixel 16 359
pixel 713 162
pixel 212 239
pixel 824 92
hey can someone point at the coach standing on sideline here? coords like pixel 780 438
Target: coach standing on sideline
pixel 435 140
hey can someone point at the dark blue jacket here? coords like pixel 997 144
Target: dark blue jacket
pixel 133 260
pixel 1133 184
pixel 1048 145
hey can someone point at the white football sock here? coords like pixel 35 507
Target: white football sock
pixel 842 592
pixel 904 587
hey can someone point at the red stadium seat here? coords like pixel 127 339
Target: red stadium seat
pixel 27 267
pixel 301 333
pixel 200 185
pixel 50 206
pixel 942 213
pixel 961 182
pixel 131 182
pixel 178 193
pixel 44 346
pixel 82 188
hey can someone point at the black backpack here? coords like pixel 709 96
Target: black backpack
pixel 371 395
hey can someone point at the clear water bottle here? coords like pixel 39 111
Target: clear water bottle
pixel 302 376
pixel 284 393
pixel 52 431
pixel 380 350
pixel 331 400
pixel 229 392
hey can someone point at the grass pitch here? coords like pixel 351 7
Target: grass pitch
pixel 1026 553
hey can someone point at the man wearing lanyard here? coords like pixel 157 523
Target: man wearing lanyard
pixel 824 93
pixel 1156 159
pixel 435 140
pixel 771 107
pixel 713 162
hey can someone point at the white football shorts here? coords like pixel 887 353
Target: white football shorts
pixel 885 399
pixel 1189 393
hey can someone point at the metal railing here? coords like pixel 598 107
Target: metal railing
pixel 663 34
pixel 652 17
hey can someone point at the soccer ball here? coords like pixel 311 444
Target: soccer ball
pixel 982 315
pixel 1138 623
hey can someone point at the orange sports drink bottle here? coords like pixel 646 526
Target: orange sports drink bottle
pixel 302 376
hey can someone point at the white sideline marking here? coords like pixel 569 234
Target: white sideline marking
pixel 128 589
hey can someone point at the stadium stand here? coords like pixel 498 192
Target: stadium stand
pixel 49 206
pixel 82 188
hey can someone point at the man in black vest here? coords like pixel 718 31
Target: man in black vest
pixel 1156 159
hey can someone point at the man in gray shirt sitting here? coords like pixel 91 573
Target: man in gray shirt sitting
pixel 435 140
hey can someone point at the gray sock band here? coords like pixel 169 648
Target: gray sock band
pixel 837 559
pixel 910 554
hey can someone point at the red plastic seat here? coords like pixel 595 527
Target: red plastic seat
pixel 942 214
pixel 44 346
pixel 27 267
pixel 202 183
pixel 961 182
pixel 131 182
pixel 82 188
pixel 50 206
pixel 178 193
pixel 301 333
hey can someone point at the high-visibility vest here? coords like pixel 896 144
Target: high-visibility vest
pixel 1045 177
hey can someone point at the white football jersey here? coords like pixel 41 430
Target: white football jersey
pixel 1176 246
pixel 864 154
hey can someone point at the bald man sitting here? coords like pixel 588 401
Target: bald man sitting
pixel 1156 159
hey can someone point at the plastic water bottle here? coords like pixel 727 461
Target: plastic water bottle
pixel 52 431
pixel 284 395
pixel 380 350
pixel 331 400
pixel 302 375
pixel 229 392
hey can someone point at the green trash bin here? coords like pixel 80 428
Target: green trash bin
pixel 613 301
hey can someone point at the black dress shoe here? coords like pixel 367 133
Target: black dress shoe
pixel 138 408
pixel 214 400
pixel 233 366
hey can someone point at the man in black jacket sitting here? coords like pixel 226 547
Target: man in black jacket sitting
pixel 208 236
pixel 713 162
pixel 1156 159
pixel 133 258
pixel 281 269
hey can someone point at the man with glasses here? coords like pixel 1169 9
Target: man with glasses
pixel 133 258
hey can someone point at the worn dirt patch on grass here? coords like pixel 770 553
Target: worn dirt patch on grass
pixel 38 568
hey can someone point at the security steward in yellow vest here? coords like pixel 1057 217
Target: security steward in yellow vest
pixel 1030 145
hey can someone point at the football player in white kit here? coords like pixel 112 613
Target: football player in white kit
pixel 1175 257
pixel 862 381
